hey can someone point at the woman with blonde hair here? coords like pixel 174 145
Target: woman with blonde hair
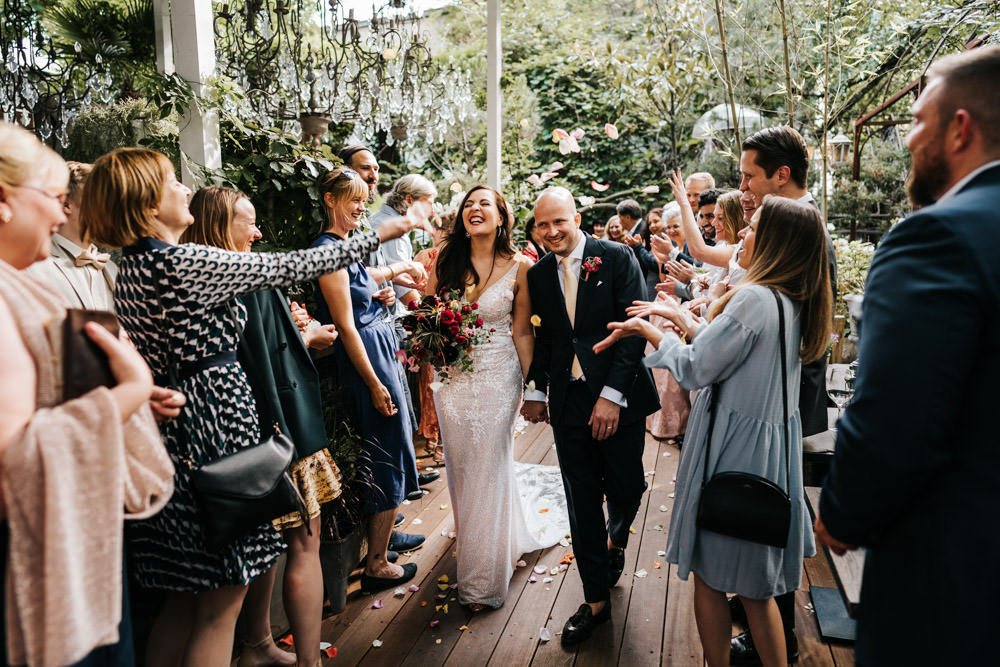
pixel 72 469
pixel 287 394
pixel 179 305
pixel 369 372
pixel 753 388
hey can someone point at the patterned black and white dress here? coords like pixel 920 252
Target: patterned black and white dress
pixel 176 303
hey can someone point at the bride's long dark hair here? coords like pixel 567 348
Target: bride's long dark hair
pixel 454 263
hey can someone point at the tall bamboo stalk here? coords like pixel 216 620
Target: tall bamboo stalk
pixel 720 14
pixel 788 65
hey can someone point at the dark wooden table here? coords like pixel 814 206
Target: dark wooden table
pixel 847 569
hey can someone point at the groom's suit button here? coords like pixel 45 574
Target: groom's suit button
pixel 574 341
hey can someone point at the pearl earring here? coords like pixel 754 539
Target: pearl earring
pixel 6 216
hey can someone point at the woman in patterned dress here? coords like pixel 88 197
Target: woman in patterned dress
pixel 179 305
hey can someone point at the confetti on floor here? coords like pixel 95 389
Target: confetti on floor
pixel 641 574
pixel 544 634
pixel 376 643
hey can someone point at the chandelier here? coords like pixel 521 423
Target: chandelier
pixel 305 60
pixel 43 87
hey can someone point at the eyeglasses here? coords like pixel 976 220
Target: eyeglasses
pixel 58 196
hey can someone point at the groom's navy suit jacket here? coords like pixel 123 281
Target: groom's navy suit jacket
pixel 602 297
pixel 916 473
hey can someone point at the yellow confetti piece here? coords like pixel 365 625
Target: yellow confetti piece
pixel 444 608
pixel 442 587
pixel 464 627
pixel 536 321
pixel 631 530
pixel 443 579
pixel 444 507
pixel 437 607
pixel 423 603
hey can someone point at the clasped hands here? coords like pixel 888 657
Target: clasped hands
pixel 603 420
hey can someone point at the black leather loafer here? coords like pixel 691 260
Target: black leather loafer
pixel 742 652
pixel 376 584
pixel 401 542
pixel 581 624
pixel 428 477
pixel 399 519
pixel 616 564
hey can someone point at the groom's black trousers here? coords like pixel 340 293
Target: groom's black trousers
pixel 593 471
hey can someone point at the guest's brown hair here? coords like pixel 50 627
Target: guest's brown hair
pixel 213 208
pixel 124 188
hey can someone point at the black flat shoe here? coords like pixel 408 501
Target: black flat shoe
pixel 400 541
pixel 616 564
pixel 428 477
pixel 581 624
pixel 742 652
pixel 416 495
pixel 399 519
pixel 376 584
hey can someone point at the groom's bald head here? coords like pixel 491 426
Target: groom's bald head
pixel 557 220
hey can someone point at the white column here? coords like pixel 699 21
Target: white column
pixel 494 103
pixel 194 58
pixel 164 39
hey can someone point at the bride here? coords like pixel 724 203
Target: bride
pixel 495 505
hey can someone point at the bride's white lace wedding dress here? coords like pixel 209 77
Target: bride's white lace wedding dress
pixel 496 503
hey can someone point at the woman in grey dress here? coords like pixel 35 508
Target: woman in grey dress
pixel 784 252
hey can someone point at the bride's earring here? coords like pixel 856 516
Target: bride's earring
pixel 467 234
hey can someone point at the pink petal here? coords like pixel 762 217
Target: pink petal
pixel 377 604
pixel 651 189
pixel 556 166
pixel 611 130
pixel 578 133
pixel 559 135
pixel 565 147
pixel 600 187
pixel 548 176
pixel 534 179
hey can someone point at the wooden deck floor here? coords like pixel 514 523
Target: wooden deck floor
pixel 653 620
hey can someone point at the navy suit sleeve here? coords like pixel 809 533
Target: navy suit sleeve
pixel 919 334
pixel 628 352
pixel 541 359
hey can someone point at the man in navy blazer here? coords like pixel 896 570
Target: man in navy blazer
pixel 916 474
pixel 597 403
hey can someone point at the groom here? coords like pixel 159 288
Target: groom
pixel 597 404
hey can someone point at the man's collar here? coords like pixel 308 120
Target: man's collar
pixel 954 190
pixel 806 198
pixel 580 247
pixel 71 248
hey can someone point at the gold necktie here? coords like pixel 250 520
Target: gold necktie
pixel 570 283
pixel 93 257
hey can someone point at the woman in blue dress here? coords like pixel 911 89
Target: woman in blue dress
pixel 738 353
pixel 369 373
pixel 180 307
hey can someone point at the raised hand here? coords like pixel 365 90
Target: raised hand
pixel 661 248
pixel 668 286
pixel 678 188
pixel 634 326
pixel 681 271
pixel 665 308
pixel 632 240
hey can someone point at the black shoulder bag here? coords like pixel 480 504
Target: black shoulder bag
pixel 238 492
pixel 740 504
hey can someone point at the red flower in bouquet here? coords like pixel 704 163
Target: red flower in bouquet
pixel 442 329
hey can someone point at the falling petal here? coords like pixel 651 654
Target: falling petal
pixel 376 643
pixel 558 135
pixel 641 574
pixel 548 176
pixel 436 385
pixel 377 604
pixel 524 122
pixel 534 179
pixel 651 190
pixel 600 187
pixel 556 166
pixel 578 133
pixel 544 634
pixel 565 147
pixel 456 187
pixel 585 200
pixel 611 131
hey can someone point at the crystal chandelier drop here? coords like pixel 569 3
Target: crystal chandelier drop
pixel 42 88
pixel 306 60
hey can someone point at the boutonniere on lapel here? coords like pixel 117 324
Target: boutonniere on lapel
pixel 591 265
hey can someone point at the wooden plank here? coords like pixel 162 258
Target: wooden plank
pixel 644 624
pixel 848 569
pixel 681 641
pixel 817 573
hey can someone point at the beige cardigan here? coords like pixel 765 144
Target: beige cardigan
pixel 70 477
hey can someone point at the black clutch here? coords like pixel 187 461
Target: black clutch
pixel 84 364
pixel 240 491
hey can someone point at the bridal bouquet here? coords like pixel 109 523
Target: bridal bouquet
pixel 441 330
